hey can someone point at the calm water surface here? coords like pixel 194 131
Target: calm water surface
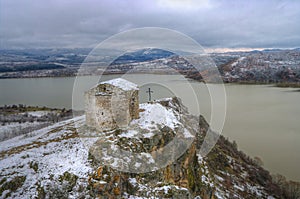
pixel 264 120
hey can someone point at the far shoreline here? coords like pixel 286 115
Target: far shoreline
pixel 273 84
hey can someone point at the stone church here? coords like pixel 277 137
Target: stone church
pixel 111 104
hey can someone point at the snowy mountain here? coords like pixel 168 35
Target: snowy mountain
pixel 62 161
pixel 146 54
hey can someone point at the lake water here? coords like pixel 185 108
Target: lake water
pixel 264 120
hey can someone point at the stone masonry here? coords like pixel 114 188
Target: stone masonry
pixel 111 104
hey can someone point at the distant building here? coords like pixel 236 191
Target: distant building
pixel 111 104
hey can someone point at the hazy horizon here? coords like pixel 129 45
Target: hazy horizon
pixel 207 50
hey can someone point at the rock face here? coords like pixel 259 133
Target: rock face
pixel 111 104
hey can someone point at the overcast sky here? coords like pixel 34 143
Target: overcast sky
pixel 213 23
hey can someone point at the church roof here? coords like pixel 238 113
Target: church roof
pixel 122 84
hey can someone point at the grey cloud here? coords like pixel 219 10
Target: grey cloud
pixel 65 23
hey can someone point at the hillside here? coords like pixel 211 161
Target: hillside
pixel 264 67
pixel 61 161
pixel 280 67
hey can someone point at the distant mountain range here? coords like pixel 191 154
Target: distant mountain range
pixel 147 54
pixel 266 66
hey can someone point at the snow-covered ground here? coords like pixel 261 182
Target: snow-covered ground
pixel 38 113
pixel 155 114
pixel 15 128
pixel 53 151
pixel 43 157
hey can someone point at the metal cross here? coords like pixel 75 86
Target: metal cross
pixel 149 91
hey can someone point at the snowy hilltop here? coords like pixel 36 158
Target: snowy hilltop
pixel 71 160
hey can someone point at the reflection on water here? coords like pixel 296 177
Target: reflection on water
pixel 262 119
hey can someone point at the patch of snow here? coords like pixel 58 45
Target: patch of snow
pixel 255 189
pixel 114 147
pixel 148 135
pixel 102 93
pixel 156 114
pixel 206 180
pixel 137 164
pixel 244 174
pixel 135 197
pixel 148 156
pixel 238 60
pixel 164 99
pixel 200 158
pixel 219 178
pixel 38 113
pixel 129 134
pixel 132 181
pixel 168 187
pixel 238 187
pixel 115 164
pixel 102 182
pixel 187 134
pixel 219 195
pixel 122 84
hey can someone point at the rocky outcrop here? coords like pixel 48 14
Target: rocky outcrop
pixel 179 179
pixel 224 173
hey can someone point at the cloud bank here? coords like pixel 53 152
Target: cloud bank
pixel 213 23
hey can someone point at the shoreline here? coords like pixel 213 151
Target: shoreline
pixel 273 84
